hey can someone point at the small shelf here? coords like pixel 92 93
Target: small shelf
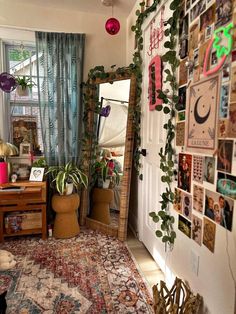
pixel 23 232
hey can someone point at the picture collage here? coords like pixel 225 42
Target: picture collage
pixel 206 120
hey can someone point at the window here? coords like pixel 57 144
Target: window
pixel 21 61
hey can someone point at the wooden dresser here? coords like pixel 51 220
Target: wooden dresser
pixel 31 198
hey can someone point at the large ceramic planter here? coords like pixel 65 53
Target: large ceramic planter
pixel 66 222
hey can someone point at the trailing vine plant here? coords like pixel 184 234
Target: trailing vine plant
pixel 170 104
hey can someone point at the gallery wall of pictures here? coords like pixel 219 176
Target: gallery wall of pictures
pixel 206 120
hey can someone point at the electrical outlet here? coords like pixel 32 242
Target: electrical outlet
pixel 194 262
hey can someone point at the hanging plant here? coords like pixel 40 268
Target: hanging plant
pixel 170 103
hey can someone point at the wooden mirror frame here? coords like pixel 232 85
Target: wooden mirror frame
pixel 92 99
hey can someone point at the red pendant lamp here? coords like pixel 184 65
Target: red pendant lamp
pixel 112 25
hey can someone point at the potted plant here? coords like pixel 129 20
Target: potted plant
pixel 104 173
pixel 23 85
pixel 66 203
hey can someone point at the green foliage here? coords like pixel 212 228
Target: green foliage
pixel 41 162
pixel 69 173
pixel 24 82
pixel 170 103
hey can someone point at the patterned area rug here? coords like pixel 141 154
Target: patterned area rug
pixel 92 273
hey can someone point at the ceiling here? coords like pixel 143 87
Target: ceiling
pixel 121 8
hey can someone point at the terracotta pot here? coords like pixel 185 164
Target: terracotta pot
pixel 66 222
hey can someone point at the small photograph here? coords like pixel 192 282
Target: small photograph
pixel 182 98
pixel 198 198
pixel 225 72
pixel 225 155
pixel 202 52
pixel 223 12
pixel 233 84
pixel 25 149
pixel 197 229
pixel 226 185
pixel 193 38
pixel 187 205
pixel 198 164
pixel 224 102
pixel 36 174
pixel 184 225
pixel 214 58
pixel 184 173
pixel 195 56
pixel 180 133
pixel 209 169
pixel 178 201
pixel 181 116
pixel 196 11
pixel 183 37
pixel 219 209
pixel 209 31
pixel 207 20
pixel 183 73
pixel 209 234
pixel 231 131
pixel 222 128
pixel 233 56
pixel 196 74
pixel 190 72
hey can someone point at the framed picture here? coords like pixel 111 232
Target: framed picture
pixel 36 174
pixel 24 129
pixel 25 149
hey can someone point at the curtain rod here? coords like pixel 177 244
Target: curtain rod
pixel 121 101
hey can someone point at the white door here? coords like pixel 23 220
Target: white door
pixel 153 138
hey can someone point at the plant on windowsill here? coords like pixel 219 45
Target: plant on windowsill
pixel 24 84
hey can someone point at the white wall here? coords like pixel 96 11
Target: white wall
pixel 101 48
pixel 214 281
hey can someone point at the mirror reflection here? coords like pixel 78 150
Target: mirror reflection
pixel 111 135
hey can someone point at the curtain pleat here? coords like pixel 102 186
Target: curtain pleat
pixel 60 59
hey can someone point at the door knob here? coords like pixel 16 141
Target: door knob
pixel 143 152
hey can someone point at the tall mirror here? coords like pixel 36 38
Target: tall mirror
pixel 105 205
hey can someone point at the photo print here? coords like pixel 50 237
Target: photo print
pixel 224 102
pixel 219 209
pixel 209 31
pixel 214 59
pixel 233 84
pixel 198 198
pixel 206 19
pixel 184 173
pixel 225 72
pixel 196 11
pixel 187 205
pixel 184 226
pixel 178 201
pixel 181 116
pixel 223 12
pixel 182 98
pixel 198 164
pixel 231 130
pixel 226 185
pixel 233 56
pixel 195 56
pixel 223 128
pixel 209 170
pixel 183 73
pixel 203 104
pixel 225 155
pixel 36 174
pixel 197 229
pixel 193 38
pixel 180 133
pixel 183 37
pixel 209 234
pixel 196 74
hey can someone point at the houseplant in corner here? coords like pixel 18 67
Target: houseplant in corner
pixel 104 173
pixel 65 203
pixel 23 85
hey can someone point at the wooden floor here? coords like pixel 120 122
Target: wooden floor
pixel 147 265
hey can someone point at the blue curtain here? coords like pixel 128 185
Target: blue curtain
pixel 60 73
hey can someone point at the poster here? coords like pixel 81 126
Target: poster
pixel 203 103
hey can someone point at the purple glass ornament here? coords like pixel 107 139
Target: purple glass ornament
pixel 105 111
pixel 112 26
pixel 7 82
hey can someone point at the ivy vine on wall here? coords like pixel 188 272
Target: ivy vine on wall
pixel 170 104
